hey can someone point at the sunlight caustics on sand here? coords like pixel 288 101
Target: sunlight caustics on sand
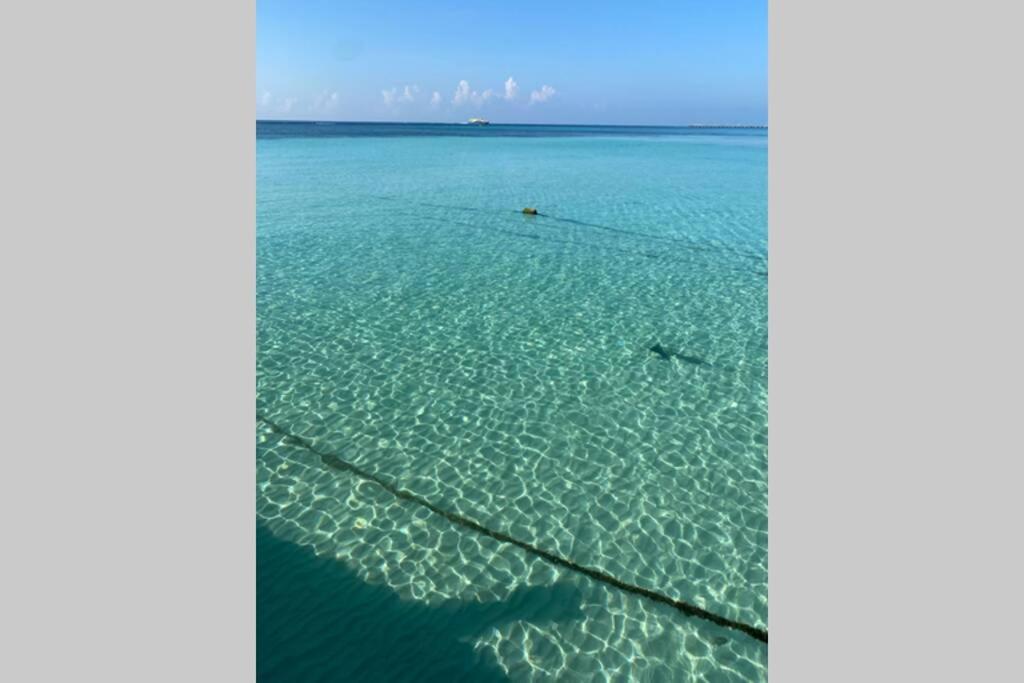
pixel 590 381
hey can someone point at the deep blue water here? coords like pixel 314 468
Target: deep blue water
pixel 329 129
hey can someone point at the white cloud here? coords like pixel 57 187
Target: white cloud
pixel 464 94
pixel 409 93
pixel 511 88
pixel 461 93
pixel 479 99
pixel 435 99
pixel 392 96
pixel 326 101
pixel 276 105
pixel 545 93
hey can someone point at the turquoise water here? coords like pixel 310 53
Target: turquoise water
pixel 412 322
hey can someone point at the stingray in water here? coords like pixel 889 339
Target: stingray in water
pixel 665 354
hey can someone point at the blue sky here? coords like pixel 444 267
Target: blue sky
pixel 625 62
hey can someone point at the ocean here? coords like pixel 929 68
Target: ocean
pixel 509 447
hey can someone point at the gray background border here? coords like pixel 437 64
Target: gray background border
pixel 129 349
pixel 894 341
pixel 128 356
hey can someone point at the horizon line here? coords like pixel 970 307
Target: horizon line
pixel 510 123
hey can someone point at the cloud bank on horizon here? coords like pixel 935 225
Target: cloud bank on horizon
pixel 545 93
pixel 395 99
pixel 464 94
pixel 666 62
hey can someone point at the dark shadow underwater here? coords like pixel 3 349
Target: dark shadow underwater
pixel 316 620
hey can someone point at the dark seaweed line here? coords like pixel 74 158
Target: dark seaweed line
pixel 689 244
pixel 550 240
pixel 334 462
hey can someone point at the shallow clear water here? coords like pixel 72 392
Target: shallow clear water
pixel 412 321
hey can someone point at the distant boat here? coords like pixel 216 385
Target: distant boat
pixel 479 122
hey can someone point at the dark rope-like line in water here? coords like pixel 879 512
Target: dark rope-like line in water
pixel 689 609
pixel 553 240
pixel 686 243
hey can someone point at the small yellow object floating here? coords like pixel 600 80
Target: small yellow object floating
pixel 530 212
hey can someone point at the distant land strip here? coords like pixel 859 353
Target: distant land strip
pixel 722 125
pixel 753 126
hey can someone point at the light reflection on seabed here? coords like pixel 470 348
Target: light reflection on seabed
pixel 511 381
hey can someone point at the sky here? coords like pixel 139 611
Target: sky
pixel 628 62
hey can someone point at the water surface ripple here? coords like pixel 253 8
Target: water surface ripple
pixel 501 367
